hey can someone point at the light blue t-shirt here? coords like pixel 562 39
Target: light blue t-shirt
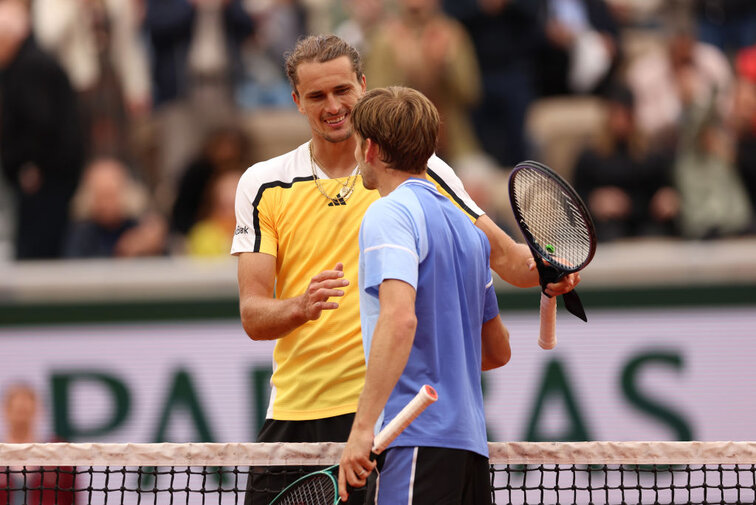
pixel 417 235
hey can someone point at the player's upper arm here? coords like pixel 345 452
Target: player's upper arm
pixel 495 344
pixel 256 277
pixel 390 245
pixel 397 300
pixel 508 258
pixel 256 274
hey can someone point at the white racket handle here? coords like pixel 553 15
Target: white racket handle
pixel 547 337
pixel 422 399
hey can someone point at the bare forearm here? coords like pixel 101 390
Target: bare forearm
pixel 512 265
pixel 266 318
pixel 515 264
pixel 510 260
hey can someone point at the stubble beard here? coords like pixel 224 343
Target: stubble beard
pixel 336 140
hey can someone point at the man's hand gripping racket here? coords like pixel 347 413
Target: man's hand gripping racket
pixel 558 228
pixel 321 487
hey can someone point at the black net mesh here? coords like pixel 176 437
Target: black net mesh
pixel 520 473
pixel 621 484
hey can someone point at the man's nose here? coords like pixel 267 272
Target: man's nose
pixel 332 104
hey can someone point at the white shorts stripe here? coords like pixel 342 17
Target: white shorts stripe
pixel 412 476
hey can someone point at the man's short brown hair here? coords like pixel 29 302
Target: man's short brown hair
pixel 320 49
pixel 404 124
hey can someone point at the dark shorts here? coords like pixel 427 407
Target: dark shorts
pixel 433 476
pixel 264 483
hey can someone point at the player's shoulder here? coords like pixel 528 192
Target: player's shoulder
pixel 381 206
pixel 389 207
pixel 281 170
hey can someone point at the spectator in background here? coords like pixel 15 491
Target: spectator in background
pixel 684 73
pixel 714 202
pixel 109 217
pixel 21 414
pixel 278 25
pixel 426 50
pixel 195 43
pixel 744 116
pixel 41 142
pixel 581 50
pixel 98 44
pixel 224 150
pixel 195 47
pixel 212 235
pixel 363 18
pixel 730 25
pixel 21 409
pixel 626 186
pixel 505 34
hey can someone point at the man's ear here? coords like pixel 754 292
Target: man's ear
pixel 295 97
pixel 372 151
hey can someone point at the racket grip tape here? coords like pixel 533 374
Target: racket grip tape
pixel 547 336
pixel 422 399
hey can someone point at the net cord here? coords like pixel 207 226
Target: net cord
pixel 329 453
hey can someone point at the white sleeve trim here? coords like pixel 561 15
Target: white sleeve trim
pixel 394 246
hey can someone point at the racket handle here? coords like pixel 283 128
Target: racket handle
pixel 547 337
pixel 422 399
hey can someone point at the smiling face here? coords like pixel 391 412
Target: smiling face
pixel 326 93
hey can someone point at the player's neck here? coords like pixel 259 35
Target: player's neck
pixel 393 179
pixel 335 159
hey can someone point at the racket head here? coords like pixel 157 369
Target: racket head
pixel 554 220
pixel 316 488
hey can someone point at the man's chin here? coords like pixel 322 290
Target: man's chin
pixel 336 138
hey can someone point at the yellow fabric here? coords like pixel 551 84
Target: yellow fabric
pixel 208 238
pixel 320 366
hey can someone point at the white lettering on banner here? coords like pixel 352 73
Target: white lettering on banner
pixel 652 374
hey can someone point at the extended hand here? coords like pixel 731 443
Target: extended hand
pixel 323 286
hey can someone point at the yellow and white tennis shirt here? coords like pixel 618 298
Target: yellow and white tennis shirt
pixel 319 368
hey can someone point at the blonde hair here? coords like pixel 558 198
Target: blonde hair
pixel 402 122
pixel 320 49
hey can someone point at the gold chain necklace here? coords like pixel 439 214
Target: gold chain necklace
pixel 347 187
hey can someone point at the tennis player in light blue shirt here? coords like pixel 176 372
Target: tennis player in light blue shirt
pixel 428 311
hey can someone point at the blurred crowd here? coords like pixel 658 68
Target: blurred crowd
pixel 124 123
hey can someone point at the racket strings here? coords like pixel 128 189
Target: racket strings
pixel 319 489
pixel 554 219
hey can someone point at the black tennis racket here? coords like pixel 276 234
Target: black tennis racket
pixel 321 487
pixel 558 229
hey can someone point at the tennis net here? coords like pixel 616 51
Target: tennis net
pixel 521 472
